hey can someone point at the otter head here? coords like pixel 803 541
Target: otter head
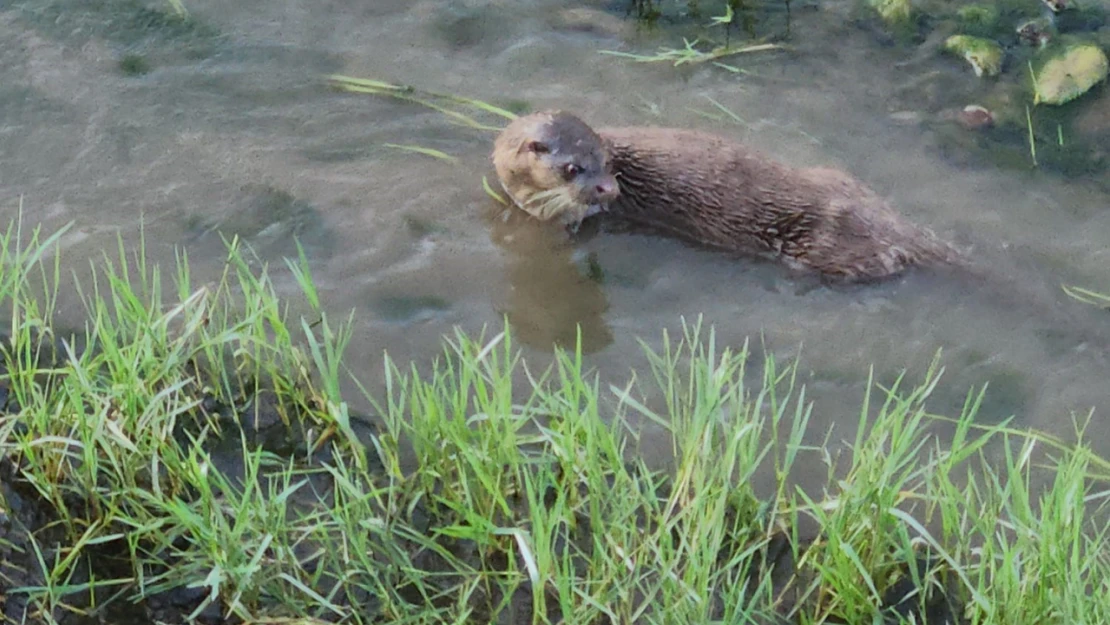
pixel 554 166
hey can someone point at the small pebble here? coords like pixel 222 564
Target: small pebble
pixel 975 117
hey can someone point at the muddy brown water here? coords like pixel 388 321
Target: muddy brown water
pixel 230 128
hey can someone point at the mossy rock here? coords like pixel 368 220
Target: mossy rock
pixel 893 12
pixel 984 55
pixel 1037 32
pixel 1065 72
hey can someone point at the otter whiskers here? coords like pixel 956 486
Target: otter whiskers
pixel 557 202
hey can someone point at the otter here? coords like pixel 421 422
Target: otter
pixel 712 192
pixel 718 194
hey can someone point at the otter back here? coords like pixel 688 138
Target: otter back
pixel 723 195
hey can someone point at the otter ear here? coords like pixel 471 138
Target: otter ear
pixel 537 147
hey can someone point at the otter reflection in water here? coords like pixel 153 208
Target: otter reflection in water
pixel 550 295
pixel 709 191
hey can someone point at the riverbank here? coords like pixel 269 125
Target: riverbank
pixel 189 456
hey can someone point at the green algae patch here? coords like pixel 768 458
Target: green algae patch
pixel 893 12
pixel 978 18
pixel 1068 72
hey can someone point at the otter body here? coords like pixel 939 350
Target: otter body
pixel 722 195
pixel 712 192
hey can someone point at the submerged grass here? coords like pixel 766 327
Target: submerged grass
pixel 692 55
pixel 457 109
pixel 486 495
pixel 1087 296
pixel 453 106
pixel 432 152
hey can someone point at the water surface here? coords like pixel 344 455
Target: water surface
pixel 228 127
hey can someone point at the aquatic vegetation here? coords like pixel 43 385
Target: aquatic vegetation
pixel 691 54
pixel 1087 296
pixel 178 7
pixel 646 10
pixel 134 64
pixel 984 55
pixel 128 22
pixel 982 33
pixel 416 149
pixel 978 18
pixel 893 12
pixel 1066 72
pixel 703 49
pixel 447 104
pixel 492 193
pixel 194 449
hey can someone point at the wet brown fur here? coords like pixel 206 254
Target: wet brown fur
pixel 722 195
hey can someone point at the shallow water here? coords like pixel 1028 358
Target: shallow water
pixel 232 129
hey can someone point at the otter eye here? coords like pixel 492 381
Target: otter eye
pixel 538 148
pixel 570 170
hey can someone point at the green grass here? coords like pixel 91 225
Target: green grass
pixel 492 491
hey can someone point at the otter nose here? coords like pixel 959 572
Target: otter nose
pixel 607 189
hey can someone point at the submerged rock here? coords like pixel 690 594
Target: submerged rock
pixel 1066 72
pixel 984 55
pixel 970 117
pixel 1037 32
pixel 975 117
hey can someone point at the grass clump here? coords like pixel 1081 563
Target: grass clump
pixel 191 450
